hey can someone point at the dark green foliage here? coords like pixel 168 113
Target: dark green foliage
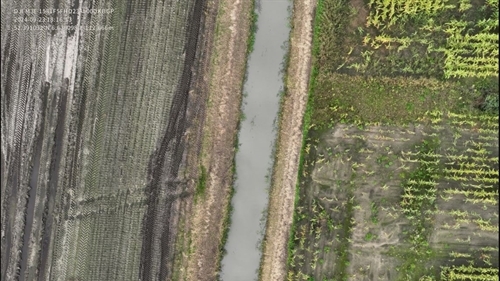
pixel 202 181
pixel 253 29
pixel 487 91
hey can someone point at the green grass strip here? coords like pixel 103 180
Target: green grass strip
pixel 305 127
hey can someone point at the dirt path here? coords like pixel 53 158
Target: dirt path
pixel 281 204
pixel 211 138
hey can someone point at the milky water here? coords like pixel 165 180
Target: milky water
pixel 257 136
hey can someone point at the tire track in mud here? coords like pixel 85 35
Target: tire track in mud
pixel 50 194
pixel 33 146
pixel 163 169
pixel 20 78
pixel 23 64
pixel 48 217
pixel 8 69
pixel 195 118
pixel 13 182
pixel 13 234
pixel 33 185
pixel 6 146
pixel 67 229
pixel 9 56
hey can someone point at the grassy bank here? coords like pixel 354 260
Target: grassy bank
pixel 306 120
pixel 253 29
pixel 253 17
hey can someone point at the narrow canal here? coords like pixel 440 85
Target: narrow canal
pixel 256 136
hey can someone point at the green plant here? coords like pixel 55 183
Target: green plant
pixel 369 236
pixel 374 212
pixel 490 104
pixel 253 29
pixel 202 180
pixel 243 117
pixel 469 272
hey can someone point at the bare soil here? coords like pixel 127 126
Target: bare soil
pixel 330 178
pixel 362 14
pixel 281 204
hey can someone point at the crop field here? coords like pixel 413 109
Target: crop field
pixel 93 123
pixel 432 38
pixel 393 203
pixel 398 177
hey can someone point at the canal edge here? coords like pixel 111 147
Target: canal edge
pixel 289 143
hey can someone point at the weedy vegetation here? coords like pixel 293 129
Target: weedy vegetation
pixel 398 177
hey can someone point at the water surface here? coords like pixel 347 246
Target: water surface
pixel 257 136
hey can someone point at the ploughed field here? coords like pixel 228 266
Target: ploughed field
pixel 398 176
pixel 92 121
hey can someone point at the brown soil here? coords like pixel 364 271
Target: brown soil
pixel 273 266
pixel 362 14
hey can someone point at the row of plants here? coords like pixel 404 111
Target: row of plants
pixel 469 52
pixel 418 204
pixel 384 14
pixel 323 232
pixel 430 38
pixel 469 272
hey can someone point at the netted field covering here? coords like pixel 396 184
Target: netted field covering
pixel 83 111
